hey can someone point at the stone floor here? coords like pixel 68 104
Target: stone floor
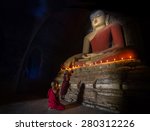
pixel 39 106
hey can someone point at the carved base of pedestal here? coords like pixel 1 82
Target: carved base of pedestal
pixel 113 87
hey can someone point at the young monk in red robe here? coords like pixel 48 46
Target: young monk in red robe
pixel 65 84
pixel 53 97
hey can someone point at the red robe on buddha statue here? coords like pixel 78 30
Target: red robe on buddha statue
pixel 108 37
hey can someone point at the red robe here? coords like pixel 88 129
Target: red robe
pixel 65 86
pixel 53 101
pixel 111 35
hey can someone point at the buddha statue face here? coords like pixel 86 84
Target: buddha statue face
pixel 97 19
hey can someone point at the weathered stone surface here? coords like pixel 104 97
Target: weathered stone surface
pixel 108 100
pixel 74 86
pixel 70 97
pixel 115 93
pixel 89 104
pixel 108 86
pixel 89 94
pixel 88 85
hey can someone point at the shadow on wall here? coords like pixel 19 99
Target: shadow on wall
pixel 81 93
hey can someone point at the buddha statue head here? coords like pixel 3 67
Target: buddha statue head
pixel 97 19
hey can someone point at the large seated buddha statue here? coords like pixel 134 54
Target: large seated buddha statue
pixel 104 43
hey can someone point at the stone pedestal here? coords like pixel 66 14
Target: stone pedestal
pixel 114 86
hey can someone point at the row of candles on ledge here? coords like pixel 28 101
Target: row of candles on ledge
pixel 98 63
